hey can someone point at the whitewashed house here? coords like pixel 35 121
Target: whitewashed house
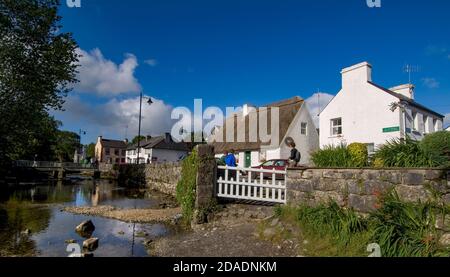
pixel 368 113
pixel 294 121
pixel 160 149
pixel 448 129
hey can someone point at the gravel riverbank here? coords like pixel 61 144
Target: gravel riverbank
pixel 127 215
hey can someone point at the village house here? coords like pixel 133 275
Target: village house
pixel 368 113
pixel 110 151
pixel 294 122
pixel 159 149
pixel 448 129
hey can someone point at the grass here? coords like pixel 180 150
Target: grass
pixel 401 229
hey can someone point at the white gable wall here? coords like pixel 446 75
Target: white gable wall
pixel 306 144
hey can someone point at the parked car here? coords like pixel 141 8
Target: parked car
pixel 279 165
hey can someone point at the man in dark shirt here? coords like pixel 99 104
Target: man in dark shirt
pixel 295 157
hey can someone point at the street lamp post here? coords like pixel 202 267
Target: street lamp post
pixel 149 102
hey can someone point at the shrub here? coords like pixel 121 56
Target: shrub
pixel 437 145
pixel 401 229
pixel 355 155
pixel 332 220
pixel 186 187
pixel 359 154
pixel 332 156
pixel 405 229
pixel 404 153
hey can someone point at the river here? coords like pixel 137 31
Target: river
pixel 38 208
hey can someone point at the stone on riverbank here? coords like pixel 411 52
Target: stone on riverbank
pixel 85 229
pixel 91 244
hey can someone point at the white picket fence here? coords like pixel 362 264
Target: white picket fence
pixel 254 184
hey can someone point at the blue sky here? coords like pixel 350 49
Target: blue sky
pixel 243 51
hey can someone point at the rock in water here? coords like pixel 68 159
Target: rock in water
pixel 91 244
pixel 85 229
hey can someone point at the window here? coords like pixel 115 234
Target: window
pixel 124 152
pixel 336 127
pixel 269 163
pixel 371 148
pixel 107 151
pixel 280 163
pixel 426 129
pixel 304 128
pixel 116 152
pixel 415 121
pixel 122 160
pixel 117 161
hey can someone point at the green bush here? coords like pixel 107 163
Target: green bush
pixel 405 229
pixel 332 220
pixel 186 187
pixel 359 154
pixel 437 145
pixel 355 155
pixel 401 229
pixel 405 153
pixel 332 156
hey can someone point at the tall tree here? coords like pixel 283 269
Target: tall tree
pixel 90 150
pixel 136 138
pixel 66 145
pixel 38 66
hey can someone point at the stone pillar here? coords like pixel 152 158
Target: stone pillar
pixel 206 182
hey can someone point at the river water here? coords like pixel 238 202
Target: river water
pixel 38 208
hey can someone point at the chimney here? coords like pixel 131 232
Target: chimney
pixel 148 138
pixel 99 140
pixel 356 74
pixel 405 90
pixel 126 141
pixel 168 138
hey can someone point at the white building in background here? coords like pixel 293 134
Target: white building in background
pixel 160 149
pixel 368 113
pixel 448 129
pixel 295 122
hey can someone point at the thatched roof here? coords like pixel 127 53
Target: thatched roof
pixel 288 109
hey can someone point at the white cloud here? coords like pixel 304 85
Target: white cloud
pixel 118 118
pixel 430 83
pixel 105 78
pixel 316 103
pixel 151 62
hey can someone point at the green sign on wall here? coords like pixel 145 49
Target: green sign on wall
pixel 391 129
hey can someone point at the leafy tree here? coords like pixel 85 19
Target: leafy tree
pixel 90 150
pixel 66 144
pixel 38 66
pixel 135 140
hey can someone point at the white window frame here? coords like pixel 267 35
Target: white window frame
pixel 334 127
pixel 304 128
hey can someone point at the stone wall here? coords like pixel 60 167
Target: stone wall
pixel 163 177
pixel 359 188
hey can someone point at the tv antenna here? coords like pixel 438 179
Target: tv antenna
pixel 410 69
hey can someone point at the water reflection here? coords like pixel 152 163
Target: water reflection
pixel 33 209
